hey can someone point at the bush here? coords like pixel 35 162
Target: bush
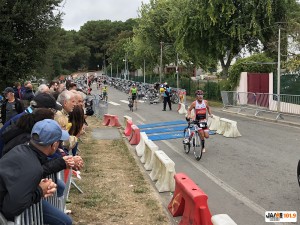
pixel 253 64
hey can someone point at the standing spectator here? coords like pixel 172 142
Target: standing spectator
pixel 166 95
pixel 18 91
pixel 67 101
pixel 72 86
pixel 28 95
pixel 53 86
pixel 43 88
pixel 11 106
pixel 25 162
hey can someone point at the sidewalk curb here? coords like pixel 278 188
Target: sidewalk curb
pixel 131 149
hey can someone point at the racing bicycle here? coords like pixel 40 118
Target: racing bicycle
pixel 192 137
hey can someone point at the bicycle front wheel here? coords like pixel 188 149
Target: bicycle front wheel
pixel 186 143
pixel 197 146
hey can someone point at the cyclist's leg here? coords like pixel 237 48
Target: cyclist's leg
pixel 202 135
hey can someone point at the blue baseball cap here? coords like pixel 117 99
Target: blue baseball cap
pixel 47 131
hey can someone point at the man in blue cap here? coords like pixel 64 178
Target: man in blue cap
pixel 21 174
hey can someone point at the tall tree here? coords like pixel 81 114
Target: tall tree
pixel 25 28
pixel 220 29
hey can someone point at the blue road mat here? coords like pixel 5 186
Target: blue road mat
pixel 163 129
pixel 161 124
pixel 159 137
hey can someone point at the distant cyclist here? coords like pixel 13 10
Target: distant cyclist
pixel 201 108
pixel 104 92
pixel 133 92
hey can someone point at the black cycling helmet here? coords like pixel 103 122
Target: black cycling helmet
pixel 199 92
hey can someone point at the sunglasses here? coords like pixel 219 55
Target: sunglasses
pixel 199 95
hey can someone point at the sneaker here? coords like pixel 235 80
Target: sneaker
pixel 163 110
pixel 203 150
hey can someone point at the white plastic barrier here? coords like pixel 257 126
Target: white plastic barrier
pixel 229 128
pixel 222 126
pixel 150 149
pixel 214 122
pixel 125 120
pixel 163 171
pixel 222 219
pixel 182 109
pixel 140 148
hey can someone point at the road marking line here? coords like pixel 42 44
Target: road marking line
pixel 142 118
pixel 226 187
pixel 124 101
pixel 113 103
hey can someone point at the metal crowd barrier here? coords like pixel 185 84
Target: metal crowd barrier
pixel 34 214
pixel 279 104
pixel 100 107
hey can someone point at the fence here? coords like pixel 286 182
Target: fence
pixel 34 214
pixel 282 104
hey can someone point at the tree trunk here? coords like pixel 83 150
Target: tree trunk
pixel 225 66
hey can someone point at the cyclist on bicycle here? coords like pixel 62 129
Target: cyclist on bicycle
pixel 133 92
pixel 201 107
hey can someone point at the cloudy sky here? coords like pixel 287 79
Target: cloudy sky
pixel 78 12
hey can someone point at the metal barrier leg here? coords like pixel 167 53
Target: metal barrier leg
pixel 279 116
pixel 76 186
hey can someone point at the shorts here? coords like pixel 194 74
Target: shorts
pixel 104 94
pixel 133 97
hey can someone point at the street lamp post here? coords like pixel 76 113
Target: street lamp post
pixel 177 75
pixel 161 52
pixel 278 74
pixel 124 60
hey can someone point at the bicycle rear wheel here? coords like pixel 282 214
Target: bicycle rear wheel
pixel 186 142
pixel 197 146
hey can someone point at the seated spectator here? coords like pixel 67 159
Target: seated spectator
pixel 24 162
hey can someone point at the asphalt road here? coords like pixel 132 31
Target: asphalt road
pixel 243 177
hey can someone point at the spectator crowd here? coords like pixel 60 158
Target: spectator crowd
pixel 39 138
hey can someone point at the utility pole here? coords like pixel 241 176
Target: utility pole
pixel 111 65
pixel 117 70
pixel 160 70
pixel 144 71
pixel 278 74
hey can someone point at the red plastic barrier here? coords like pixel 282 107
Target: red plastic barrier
pixel 106 119
pixel 190 202
pixel 114 121
pixel 135 136
pixel 128 129
pixel 66 175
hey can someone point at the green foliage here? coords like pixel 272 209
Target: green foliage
pixel 219 30
pixel 25 28
pixel 255 64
